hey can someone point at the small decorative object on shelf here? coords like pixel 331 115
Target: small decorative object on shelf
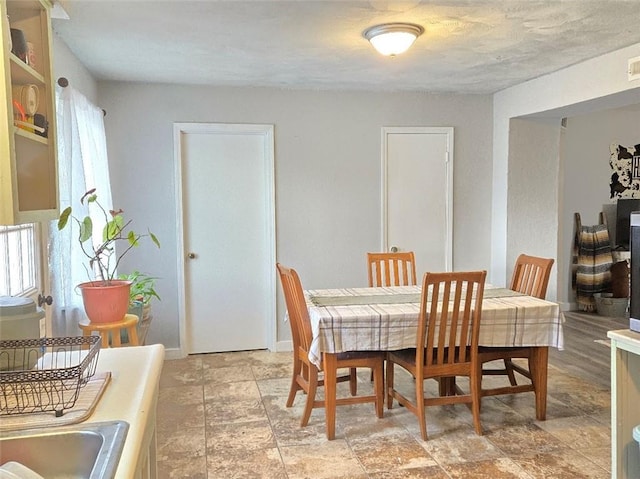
pixel 31 54
pixel 42 125
pixel 19 45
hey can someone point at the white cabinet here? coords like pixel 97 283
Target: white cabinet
pixel 625 403
pixel 28 161
pixel 132 396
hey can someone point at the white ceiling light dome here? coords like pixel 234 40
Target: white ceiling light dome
pixel 391 39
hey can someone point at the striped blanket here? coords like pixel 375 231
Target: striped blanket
pixel 594 262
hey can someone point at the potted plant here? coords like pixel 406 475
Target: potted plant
pixel 140 296
pixel 105 298
pixel 141 293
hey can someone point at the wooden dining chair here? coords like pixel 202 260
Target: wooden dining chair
pixel 305 373
pixel 531 277
pixel 392 269
pixel 446 344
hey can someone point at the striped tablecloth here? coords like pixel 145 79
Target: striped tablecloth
pixel 385 319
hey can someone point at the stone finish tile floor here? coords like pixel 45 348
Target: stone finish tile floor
pixel 223 416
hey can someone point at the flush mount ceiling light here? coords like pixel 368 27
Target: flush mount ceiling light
pixel 391 39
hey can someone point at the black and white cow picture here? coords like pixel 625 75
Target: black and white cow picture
pixel 624 182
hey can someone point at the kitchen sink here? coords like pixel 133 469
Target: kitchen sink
pixel 89 450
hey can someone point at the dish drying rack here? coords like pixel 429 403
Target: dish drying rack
pixel 46 374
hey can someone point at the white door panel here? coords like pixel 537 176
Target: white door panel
pixel 227 203
pixel 417 198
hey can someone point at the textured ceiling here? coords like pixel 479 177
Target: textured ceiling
pixel 469 46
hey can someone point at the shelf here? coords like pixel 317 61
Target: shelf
pixel 22 74
pixel 28 161
pixel 30 136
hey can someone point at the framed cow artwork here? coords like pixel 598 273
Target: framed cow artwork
pixel 625 166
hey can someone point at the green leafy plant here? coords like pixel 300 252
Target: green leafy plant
pixel 103 258
pixel 142 287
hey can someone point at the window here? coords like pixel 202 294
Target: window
pixel 19 272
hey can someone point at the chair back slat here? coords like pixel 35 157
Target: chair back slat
pixel 531 275
pixel 392 269
pixel 449 322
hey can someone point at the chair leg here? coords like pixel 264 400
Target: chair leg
pixel 508 367
pixel 389 384
pixel 442 387
pixel 353 381
pixel 311 396
pixel 474 388
pixel 420 408
pixel 295 387
pixel 378 387
pixel 447 386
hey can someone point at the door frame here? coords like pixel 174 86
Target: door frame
pixel 419 130
pixel 266 132
pixel 43 233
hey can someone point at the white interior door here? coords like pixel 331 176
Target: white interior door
pixel 417 195
pixel 226 188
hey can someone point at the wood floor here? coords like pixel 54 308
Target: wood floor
pixel 582 355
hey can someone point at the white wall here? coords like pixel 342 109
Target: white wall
pixel 532 210
pixel 66 64
pixel 327 148
pixel 592 85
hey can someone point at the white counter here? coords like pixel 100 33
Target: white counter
pixel 132 396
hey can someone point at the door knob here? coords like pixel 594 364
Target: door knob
pixel 191 255
pixel 48 300
pixel 394 249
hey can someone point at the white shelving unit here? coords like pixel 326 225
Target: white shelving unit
pixel 625 403
pixel 28 161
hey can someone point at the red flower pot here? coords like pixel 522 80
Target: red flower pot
pixel 105 302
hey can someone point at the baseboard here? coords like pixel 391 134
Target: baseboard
pixel 282 346
pixel 176 353
pixel 568 306
pixel 173 353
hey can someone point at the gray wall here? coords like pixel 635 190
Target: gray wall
pixel 327 156
pixel 587 173
pixel 327 166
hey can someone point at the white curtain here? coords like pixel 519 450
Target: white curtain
pixel 82 165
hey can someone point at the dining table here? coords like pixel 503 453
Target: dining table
pixel 386 319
